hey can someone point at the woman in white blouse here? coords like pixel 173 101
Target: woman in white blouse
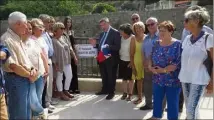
pixel 194 75
pixel 125 69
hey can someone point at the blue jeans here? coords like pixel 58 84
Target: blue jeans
pixel 18 89
pixel 172 98
pixel 192 95
pixel 36 90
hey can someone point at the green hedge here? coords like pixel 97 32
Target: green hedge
pixel 103 8
pixel 36 7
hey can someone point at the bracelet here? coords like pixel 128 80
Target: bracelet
pixel 165 71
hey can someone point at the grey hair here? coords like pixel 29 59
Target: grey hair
pixel 105 19
pixel 135 14
pixel 16 16
pixel 201 14
pixel 44 17
pixel 195 7
pixel 154 19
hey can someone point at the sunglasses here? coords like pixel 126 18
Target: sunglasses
pixel 136 18
pixel 186 20
pixel 150 25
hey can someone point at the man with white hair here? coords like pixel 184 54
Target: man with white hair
pixel 19 70
pixel 148 43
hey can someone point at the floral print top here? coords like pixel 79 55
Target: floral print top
pixel 163 56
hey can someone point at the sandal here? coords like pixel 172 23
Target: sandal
pixel 129 97
pixel 65 98
pixel 124 96
pixel 68 94
pixel 138 101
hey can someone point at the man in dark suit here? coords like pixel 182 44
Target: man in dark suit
pixel 109 44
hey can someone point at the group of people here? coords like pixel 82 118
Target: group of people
pixel 38 64
pixel 165 69
pixel 38 57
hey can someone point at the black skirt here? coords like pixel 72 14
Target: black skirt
pixel 125 72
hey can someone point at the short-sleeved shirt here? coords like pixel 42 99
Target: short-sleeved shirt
pixel 192 68
pixel 16 47
pixel 34 53
pixel 163 56
pixel 148 43
pixel 4 49
pixel 49 43
pixel 185 32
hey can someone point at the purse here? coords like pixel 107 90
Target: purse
pixel 208 62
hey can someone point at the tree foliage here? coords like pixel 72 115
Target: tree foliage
pixel 103 8
pixel 36 7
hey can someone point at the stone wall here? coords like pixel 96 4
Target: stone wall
pixel 87 25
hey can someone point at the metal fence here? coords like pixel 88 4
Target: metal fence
pixel 87 67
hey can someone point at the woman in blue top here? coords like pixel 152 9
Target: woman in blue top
pixel 165 65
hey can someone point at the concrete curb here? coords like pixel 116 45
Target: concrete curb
pixel 95 84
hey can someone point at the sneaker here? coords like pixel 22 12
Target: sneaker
pixel 51 107
pixel 54 102
pixel 43 116
pixel 35 118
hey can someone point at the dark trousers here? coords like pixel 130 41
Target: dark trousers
pixel 43 96
pixel 147 88
pixel 74 81
pixel 108 70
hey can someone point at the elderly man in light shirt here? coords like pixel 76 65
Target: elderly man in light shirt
pixel 19 70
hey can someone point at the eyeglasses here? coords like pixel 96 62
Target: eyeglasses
pixel 136 18
pixel 186 20
pixel 150 25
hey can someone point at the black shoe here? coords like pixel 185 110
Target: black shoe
pixel 77 92
pixel 124 96
pixel 50 111
pixel 74 91
pixel 146 107
pixel 180 110
pixel 100 93
pixel 110 96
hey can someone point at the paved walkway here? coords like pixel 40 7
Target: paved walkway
pixel 90 106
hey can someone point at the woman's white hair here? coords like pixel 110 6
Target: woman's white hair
pixel 154 19
pixel 201 14
pixel 15 17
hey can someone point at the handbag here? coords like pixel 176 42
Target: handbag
pixel 208 62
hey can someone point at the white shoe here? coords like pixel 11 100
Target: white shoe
pixel 51 107
pixel 54 102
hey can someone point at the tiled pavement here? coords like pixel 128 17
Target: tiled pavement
pixel 90 106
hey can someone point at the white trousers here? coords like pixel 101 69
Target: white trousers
pixel 68 76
